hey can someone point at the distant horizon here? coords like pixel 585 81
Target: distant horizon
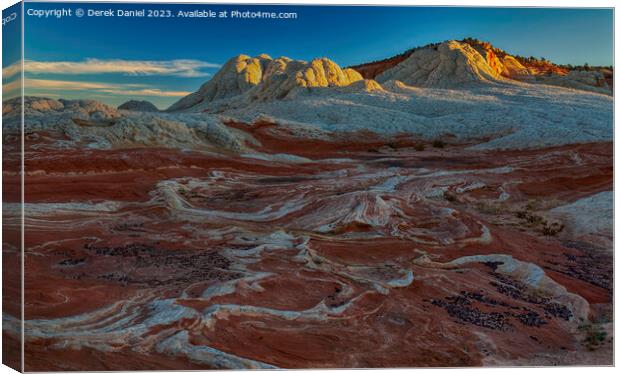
pixel 146 98
pixel 118 59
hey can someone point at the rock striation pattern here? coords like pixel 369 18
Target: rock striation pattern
pixel 346 250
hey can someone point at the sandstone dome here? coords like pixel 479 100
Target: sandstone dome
pixel 237 76
pixel 284 78
pixel 262 78
pixel 448 65
pixel 138 106
pixel 365 85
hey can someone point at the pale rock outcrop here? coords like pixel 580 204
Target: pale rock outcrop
pixel 506 65
pixel 491 58
pixel 80 109
pixel 591 78
pixel 138 106
pixel 449 65
pixel 589 219
pixel 92 124
pixel 513 68
pixel 352 75
pixel 324 72
pixel 90 109
pixel 42 105
pixel 579 79
pixel 530 274
pixel 276 66
pixel 397 86
pixel 289 77
pixel 237 76
pixel 244 79
pixel 12 107
pixel 365 85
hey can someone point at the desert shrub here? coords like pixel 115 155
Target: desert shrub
pixel 539 223
pixel 594 335
pixel 552 229
pixel 419 147
pixel 490 207
pixel 530 219
pixel 542 204
pixel 449 196
pixel 535 220
pixel 437 143
pixel 521 214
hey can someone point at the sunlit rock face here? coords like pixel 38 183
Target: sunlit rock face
pixel 513 68
pixel 264 78
pixel 448 65
pixel 238 75
pixel 452 64
pixel 491 58
pixel 283 82
pixel 541 71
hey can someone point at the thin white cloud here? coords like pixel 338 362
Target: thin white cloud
pixel 153 92
pixel 12 70
pixel 48 84
pixel 43 86
pixel 179 68
pixel 9 87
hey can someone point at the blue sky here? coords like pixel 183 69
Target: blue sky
pixel 113 59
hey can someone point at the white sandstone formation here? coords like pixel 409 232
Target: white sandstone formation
pixel 364 85
pixel 438 90
pixel 96 125
pixel 138 106
pixel 37 106
pixel 290 76
pixel 450 64
pixel 589 219
pixel 262 78
pixel 513 68
pixel 530 274
pixel 238 75
pixel 491 58
pixel 580 80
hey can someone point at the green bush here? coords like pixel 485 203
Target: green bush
pixel 594 335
